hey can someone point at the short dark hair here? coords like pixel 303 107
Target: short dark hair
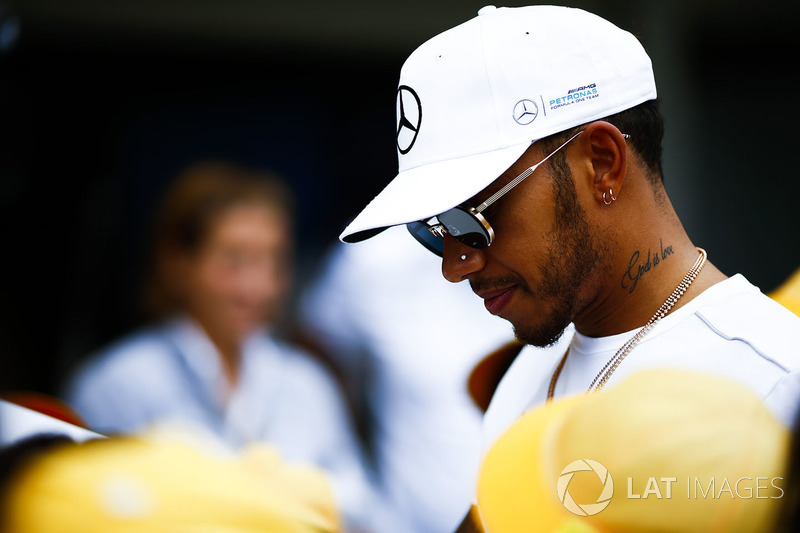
pixel 645 125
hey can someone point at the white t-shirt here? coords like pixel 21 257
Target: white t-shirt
pixel 730 330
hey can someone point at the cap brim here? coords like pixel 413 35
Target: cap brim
pixel 425 191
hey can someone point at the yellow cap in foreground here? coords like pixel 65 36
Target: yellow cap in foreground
pixel 127 485
pixel 665 450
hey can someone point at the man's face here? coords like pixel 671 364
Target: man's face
pixel 545 262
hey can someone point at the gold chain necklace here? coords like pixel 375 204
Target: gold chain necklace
pixel 611 365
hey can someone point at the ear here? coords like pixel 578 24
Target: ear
pixel 608 152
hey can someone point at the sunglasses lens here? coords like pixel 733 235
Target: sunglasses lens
pixel 421 232
pixel 466 228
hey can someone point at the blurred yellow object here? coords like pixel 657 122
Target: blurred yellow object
pixel 788 294
pixel 127 484
pixel 665 450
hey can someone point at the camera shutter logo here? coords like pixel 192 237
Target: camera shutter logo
pixel 409 118
pixel 585 509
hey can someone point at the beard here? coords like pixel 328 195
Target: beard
pixel 575 257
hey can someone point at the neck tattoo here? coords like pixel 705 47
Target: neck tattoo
pixel 611 365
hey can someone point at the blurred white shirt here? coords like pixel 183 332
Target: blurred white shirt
pixel 171 374
pixel 18 423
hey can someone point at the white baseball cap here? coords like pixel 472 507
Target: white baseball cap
pixel 472 99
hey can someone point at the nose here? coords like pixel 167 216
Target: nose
pixel 455 269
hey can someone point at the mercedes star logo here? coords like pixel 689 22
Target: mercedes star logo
pixel 525 112
pixel 409 118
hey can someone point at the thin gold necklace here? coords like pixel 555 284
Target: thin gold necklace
pixel 611 365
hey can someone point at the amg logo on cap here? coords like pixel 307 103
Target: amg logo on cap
pixel 574 96
pixel 590 86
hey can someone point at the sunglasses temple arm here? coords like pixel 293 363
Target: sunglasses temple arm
pixel 513 183
pixel 510 185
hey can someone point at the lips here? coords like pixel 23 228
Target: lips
pixel 497 299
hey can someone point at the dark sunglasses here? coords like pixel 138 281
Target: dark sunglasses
pixel 466 224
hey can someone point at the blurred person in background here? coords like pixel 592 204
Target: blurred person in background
pixel 406 366
pixel 220 271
